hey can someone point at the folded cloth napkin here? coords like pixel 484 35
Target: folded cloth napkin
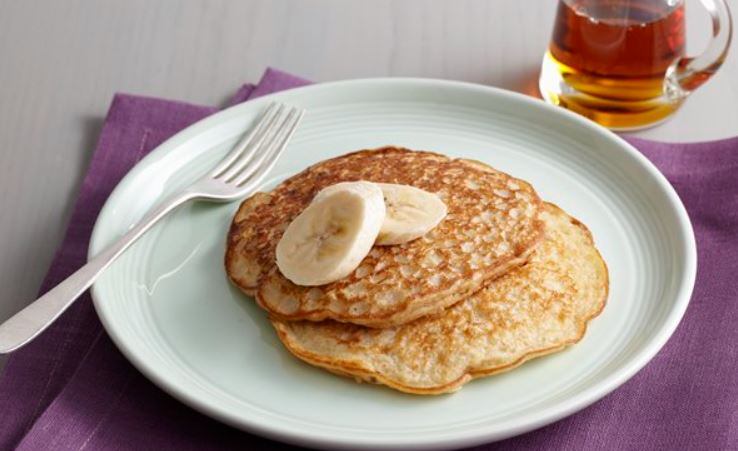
pixel 72 389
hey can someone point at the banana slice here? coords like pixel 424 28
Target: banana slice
pixel 411 213
pixel 330 238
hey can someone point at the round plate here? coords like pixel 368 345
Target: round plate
pixel 170 309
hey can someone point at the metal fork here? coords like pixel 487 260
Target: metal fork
pixel 235 177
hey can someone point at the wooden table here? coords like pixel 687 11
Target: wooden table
pixel 61 62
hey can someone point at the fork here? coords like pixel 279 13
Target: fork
pixel 236 176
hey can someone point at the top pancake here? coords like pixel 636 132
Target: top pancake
pixel 492 226
pixel 533 310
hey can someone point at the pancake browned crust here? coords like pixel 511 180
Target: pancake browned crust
pixel 533 310
pixel 492 225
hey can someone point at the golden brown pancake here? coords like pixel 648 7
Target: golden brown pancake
pixel 531 311
pixel 491 227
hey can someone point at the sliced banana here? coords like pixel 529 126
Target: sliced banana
pixel 411 213
pixel 330 238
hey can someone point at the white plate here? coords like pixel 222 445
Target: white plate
pixel 168 306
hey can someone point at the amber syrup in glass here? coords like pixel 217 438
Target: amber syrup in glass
pixel 609 59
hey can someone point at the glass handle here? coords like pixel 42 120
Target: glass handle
pixel 689 73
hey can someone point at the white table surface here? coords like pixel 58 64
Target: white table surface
pixel 62 61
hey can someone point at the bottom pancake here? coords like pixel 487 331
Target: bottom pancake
pixel 534 310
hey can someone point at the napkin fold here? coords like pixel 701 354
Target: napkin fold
pixel 72 389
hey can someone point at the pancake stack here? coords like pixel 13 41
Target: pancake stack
pixel 503 278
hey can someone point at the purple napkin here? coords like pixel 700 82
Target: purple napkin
pixel 72 389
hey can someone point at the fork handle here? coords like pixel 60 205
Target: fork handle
pixel 25 325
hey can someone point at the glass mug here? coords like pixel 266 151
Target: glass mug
pixel 621 63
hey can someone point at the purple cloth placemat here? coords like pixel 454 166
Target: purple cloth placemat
pixel 72 389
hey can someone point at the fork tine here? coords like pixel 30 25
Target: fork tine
pixel 273 150
pixel 267 150
pixel 256 148
pixel 243 147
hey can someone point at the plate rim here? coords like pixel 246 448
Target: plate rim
pixel 548 415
